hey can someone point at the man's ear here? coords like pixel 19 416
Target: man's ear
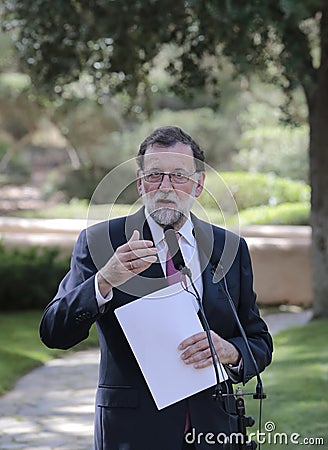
pixel 200 184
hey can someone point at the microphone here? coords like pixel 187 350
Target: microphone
pixel 175 252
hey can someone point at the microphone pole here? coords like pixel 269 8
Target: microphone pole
pixel 259 394
pixel 242 420
pixel 179 264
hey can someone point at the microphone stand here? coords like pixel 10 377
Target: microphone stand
pixel 243 421
pixel 219 394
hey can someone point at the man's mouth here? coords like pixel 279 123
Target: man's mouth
pixel 166 202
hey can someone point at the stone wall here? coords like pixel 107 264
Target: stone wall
pixel 281 262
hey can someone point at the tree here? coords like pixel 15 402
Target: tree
pixel 112 44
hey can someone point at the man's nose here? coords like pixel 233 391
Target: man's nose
pixel 166 182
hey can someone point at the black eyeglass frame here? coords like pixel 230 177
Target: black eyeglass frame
pixel 184 180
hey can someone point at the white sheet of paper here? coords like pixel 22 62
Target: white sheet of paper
pixel 154 327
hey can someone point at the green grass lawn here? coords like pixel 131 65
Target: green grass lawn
pixel 296 383
pixel 21 349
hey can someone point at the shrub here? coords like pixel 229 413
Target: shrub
pixel 283 214
pixel 251 189
pixel 266 145
pixel 29 277
pixel 82 183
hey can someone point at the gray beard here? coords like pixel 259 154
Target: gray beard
pixel 167 216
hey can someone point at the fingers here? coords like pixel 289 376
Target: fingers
pixel 194 339
pixel 199 359
pixel 137 265
pixel 135 243
pixel 197 351
pixel 136 249
pixel 129 260
pixel 139 253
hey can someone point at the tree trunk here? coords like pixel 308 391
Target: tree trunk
pixel 318 119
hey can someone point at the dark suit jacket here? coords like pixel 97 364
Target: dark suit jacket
pixel 126 416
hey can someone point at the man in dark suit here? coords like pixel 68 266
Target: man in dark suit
pixel 118 261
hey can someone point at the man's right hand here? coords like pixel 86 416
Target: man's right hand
pixel 128 260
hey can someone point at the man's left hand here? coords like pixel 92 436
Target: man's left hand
pixel 197 351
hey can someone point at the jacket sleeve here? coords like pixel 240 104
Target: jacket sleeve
pixel 66 321
pixel 258 337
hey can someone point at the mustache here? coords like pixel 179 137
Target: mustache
pixel 170 196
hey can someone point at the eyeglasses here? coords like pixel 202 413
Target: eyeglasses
pixel 175 177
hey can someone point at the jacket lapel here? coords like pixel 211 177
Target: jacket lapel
pixel 205 243
pixel 204 236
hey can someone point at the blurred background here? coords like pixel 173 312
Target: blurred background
pixel 81 86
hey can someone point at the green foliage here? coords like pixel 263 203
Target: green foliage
pixel 14 83
pixel 78 209
pixel 112 45
pixel 283 214
pixel 29 277
pixel 21 349
pixel 102 43
pixel 81 184
pixel 265 145
pixel 88 126
pixel 218 133
pixel 215 131
pixel 7 52
pixel 251 189
pixel 117 147
pixel 74 183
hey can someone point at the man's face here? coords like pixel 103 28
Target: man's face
pixel 168 201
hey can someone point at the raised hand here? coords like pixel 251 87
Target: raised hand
pixel 128 260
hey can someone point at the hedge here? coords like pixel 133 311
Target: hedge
pixel 283 214
pixel 251 189
pixel 29 277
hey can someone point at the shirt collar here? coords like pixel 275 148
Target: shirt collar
pixel 187 230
